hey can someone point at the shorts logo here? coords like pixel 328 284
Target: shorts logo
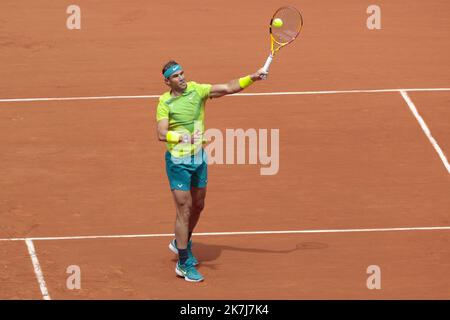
pixel 179 185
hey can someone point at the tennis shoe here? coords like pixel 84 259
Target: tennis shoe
pixel 188 272
pixel 191 259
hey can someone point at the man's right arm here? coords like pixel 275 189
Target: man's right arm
pixel 162 129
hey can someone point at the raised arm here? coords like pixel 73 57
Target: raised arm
pixel 236 85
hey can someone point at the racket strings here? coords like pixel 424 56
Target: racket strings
pixel 292 24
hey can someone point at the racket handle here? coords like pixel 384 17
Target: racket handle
pixel 266 66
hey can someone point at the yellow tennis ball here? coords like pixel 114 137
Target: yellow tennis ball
pixel 277 23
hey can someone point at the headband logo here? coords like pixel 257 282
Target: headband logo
pixel 172 70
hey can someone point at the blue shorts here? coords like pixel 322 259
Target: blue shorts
pixel 187 172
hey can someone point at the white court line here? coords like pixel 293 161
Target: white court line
pixel 237 94
pixel 160 235
pixel 37 269
pixel 426 130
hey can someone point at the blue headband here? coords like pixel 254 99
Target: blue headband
pixel 172 70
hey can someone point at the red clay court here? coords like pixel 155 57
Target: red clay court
pixel 365 181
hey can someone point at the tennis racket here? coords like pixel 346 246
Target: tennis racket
pixel 281 36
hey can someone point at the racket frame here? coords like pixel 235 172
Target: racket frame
pixel 274 50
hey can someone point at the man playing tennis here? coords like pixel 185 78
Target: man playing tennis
pixel 180 123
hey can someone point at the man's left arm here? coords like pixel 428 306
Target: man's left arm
pixel 235 86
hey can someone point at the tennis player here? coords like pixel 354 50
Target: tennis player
pixel 180 123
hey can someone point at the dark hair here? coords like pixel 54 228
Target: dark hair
pixel 168 65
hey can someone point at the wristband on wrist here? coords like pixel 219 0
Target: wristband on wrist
pixel 173 137
pixel 245 82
